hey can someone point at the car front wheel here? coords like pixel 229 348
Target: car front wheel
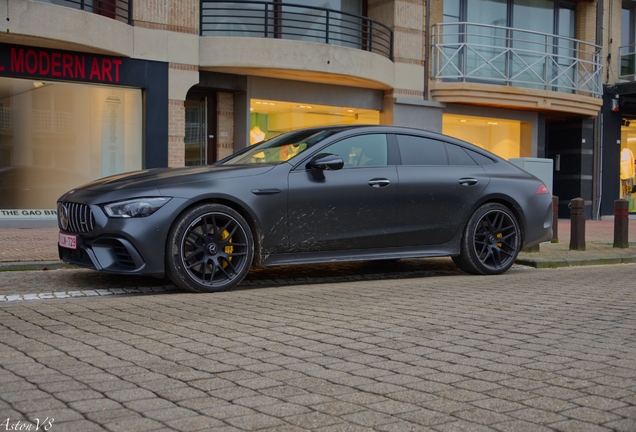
pixel 209 249
pixel 491 242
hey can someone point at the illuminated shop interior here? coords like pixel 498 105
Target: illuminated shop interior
pixel 57 136
pixel 628 167
pixel 499 136
pixel 270 118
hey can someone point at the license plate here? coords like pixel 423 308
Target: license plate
pixel 67 241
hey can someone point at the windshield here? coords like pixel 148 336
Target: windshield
pixel 280 148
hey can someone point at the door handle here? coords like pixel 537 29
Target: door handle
pixel 467 181
pixel 379 182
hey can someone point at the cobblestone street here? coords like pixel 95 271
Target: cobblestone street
pixel 530 350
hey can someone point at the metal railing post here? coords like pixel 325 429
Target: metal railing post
pixel 266 20
pixel 327 28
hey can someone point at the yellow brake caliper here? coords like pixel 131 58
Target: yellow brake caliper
pixel 229 248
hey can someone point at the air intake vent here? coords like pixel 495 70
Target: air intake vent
pixel 122 256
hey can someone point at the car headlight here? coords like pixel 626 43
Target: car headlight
pixel 140 207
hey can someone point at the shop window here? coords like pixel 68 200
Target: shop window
pixel 271 118
pixel 63 135
pixel 627 166
pixel 499 136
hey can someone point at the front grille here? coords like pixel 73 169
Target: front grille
pixel 80 217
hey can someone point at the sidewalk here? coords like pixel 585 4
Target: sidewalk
pixel 36 248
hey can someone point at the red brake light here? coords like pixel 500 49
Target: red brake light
pixel 542 190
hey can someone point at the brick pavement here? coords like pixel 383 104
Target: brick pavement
pixel 531 350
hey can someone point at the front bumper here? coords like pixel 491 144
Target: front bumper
pixel 124 245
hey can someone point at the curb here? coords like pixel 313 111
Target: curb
pixel 35 266
pixel 555 263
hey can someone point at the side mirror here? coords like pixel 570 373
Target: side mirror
pixel 324 162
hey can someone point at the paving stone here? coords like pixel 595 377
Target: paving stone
pixel 254 421
pixel 537 416
pixel 482 416
pixel 578 426
pixel 520 426
pixel 590 415
pixel 444 352
pixel 136 424
pixel 79 426
pixel 126 395
pixel 194 423
pixel 368 418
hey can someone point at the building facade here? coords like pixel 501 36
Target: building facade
pixel 94 88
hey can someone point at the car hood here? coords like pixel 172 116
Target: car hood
pixel 161 177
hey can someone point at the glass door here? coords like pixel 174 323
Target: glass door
pixel 200 129
pixel 195 131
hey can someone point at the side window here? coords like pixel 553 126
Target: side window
pixel 421 151
pixel 363 150
pixel 458 156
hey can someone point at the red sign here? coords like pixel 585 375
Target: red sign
pixel 33 62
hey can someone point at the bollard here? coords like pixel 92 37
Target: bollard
pixel 555 219
pixel 577 224
pixel 621 223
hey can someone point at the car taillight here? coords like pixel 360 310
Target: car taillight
pixel 542 190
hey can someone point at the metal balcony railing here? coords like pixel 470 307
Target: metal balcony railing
pixel 264 19
pixel 628 63
pixel 508 56
pixel 121 10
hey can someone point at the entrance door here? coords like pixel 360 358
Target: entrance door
pixel 200 129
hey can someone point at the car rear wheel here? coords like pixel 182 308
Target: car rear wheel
pixel 209 249
pixel 491 242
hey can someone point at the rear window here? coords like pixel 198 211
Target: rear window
pixel 458 156
pixel 480 158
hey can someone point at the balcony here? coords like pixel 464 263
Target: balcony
pixel 476 53
pixel 120 10
pixel 261 19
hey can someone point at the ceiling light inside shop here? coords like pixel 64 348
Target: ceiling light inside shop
pixel 492 123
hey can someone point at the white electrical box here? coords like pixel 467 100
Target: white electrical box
pixel 538 167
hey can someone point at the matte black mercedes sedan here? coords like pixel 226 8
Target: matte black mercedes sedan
pixel 326 194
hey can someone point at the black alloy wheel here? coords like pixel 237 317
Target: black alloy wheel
pixel 210 249
pixel 491 242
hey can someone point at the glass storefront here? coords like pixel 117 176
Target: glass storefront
pixel 499 136
pixel 56 136
pixel 627 163
pixel 270 118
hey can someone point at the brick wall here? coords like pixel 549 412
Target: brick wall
pixel 176 133
pixel 225 125
pixel 406 18
pixel 172 15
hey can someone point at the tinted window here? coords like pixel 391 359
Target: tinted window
pixel 479 158
pixel 363 150
pixel 457 155
pixel 421 151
